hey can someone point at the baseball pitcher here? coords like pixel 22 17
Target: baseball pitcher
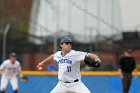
pixel 69 68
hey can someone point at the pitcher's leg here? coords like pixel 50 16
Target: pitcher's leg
pixel 79 87
pixel 59 88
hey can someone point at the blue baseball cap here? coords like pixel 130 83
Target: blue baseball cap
pixel 65 39
pixel 13 54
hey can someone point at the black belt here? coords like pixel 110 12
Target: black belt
pixel 76 80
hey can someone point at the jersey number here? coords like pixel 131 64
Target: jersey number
pixel 69 68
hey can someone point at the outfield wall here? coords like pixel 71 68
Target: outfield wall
pixel 97 82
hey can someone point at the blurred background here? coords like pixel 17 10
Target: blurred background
pixel 33 29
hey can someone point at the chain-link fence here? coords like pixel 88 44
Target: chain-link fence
pixel 29 53
pixel 88 36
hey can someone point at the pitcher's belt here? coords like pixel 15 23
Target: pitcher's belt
pixel 76 80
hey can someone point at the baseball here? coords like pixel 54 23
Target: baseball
pixel 40 68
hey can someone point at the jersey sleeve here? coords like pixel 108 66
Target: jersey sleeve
pixel 19 67
pixel 56 55
pixel 3 66
pixel 80 56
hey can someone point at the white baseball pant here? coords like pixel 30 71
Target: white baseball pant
pixel 75 87
pixel 5 80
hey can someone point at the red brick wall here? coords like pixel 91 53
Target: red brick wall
pixel 136 54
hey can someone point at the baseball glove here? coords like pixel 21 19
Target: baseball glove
pixel 24 78
pixel 92 62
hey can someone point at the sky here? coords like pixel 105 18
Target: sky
pixel 130 14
